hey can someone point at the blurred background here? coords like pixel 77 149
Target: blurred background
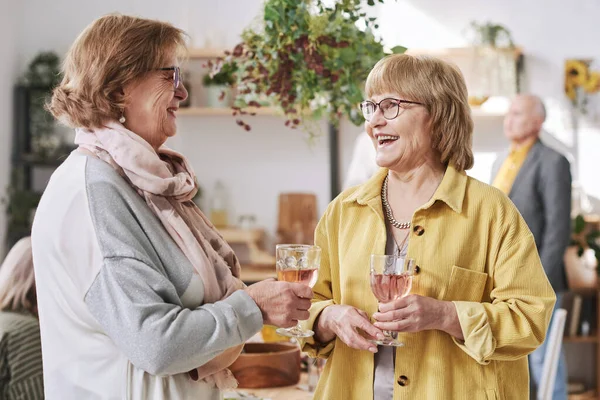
pixel 272 182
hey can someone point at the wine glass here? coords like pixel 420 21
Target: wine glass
pixel 391 278
pixel 297 263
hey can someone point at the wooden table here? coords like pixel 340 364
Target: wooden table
pixel 296 392
pixel 254 273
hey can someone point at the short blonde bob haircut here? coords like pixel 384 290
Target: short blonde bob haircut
pixel 441 88
pixel 17 280
pixel 111 52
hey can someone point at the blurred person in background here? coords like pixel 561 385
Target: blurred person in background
pixel 139 294
pixel 362 164
pixel 538 181
pixel 20 348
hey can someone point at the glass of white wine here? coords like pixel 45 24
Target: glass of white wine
pixel 391 278
pixel 297 263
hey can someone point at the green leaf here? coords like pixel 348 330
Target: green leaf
pixel 347 55
pixel 579 224
pixel 271 12
pixel 371 2
pixel 398 50
pixel 593 235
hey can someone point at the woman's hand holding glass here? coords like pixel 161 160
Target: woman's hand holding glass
pixel 414 313
pixel 297 263
pixel 344 321
pixel 391 279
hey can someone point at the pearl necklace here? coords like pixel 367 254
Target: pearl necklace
pixel 388 210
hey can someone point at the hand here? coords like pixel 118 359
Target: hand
pixel 343 321
pixel 282 304
pixel 414 313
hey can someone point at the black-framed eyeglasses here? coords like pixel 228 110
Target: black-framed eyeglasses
pixel 390 107
pixel 176 75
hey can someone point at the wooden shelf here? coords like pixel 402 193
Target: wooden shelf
pixel 463 51
pixel 226 111
pixel 254 273
pixel 205 53
pixel 581 339
pixel 481 112
pixel 273 111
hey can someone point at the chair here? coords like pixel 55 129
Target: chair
pixel 555 337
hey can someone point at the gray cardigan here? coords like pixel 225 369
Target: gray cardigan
pixel 117 295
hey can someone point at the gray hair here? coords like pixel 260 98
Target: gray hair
pixel 17 280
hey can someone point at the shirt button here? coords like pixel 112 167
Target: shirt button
pixel 419 230
pixel 417 270
pixel 403 380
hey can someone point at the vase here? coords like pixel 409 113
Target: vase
pixel 581 271
pixel 213 96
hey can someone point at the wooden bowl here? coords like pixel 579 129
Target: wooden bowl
pixel 266 365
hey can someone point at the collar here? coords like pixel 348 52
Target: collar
pixel 523 149
pixel 450 191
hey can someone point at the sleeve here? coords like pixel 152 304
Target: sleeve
pixel 133 303
pixel 21 361
pixel 515 320
pixel 556 197
pixel 136 296
pixel 322 294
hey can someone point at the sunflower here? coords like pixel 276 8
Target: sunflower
pixel 593 83
pixel 576 72
pixel 570 91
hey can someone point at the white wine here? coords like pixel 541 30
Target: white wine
pixel 389 287
pixel 305 276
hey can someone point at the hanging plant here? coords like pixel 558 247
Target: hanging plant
pixel 306 58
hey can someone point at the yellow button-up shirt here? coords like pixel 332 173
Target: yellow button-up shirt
pixel 511 166
pixel 472 248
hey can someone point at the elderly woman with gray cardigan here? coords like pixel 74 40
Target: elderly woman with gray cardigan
pixel 140 296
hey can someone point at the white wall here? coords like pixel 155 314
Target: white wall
pixel 9 15
pixel 549 31
pixel 257 165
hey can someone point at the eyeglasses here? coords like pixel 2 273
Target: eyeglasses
pixel 176 75
pixel 390 108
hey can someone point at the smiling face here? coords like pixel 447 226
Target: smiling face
pixel 403 142
pixel 151 105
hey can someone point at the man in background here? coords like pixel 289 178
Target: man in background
pixel 362 165
pixel 538 181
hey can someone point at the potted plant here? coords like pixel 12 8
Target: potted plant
pixel 217 85
pixel 582 257
pixel 308 59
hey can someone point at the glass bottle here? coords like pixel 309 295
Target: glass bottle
pixel 218 209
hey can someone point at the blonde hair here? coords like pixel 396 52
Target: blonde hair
pixel 441 88
pixel 111 52
pixel 17 280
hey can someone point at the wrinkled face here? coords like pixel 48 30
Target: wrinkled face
pixel 523 120
pixel 152 103
pixel 403 142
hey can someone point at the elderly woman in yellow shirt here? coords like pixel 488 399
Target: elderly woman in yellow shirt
pixel 480 301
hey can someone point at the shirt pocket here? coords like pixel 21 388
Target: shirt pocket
pixel 465 285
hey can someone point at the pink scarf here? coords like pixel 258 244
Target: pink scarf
pixel 167 183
